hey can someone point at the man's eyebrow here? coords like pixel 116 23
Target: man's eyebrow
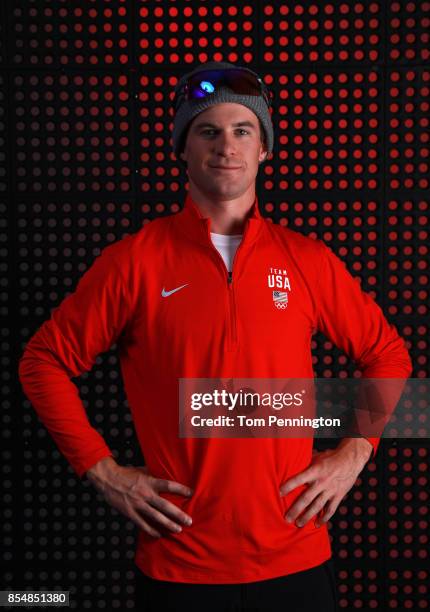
pixel 212 125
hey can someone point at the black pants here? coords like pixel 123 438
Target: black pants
pixel 306 591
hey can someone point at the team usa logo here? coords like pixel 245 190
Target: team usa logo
pixel 278 281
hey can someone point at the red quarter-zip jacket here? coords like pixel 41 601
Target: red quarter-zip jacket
pixel 212 327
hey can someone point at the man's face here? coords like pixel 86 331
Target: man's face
pixel 214 140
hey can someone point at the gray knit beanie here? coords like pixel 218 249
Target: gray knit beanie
pixel 189 109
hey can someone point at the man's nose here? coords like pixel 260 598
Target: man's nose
pixel 225 144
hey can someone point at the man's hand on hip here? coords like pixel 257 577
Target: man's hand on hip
pixel 331 474
pixel 135 493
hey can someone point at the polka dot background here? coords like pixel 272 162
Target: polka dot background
pixel 86 116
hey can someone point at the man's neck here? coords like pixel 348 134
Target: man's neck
pixel 227 216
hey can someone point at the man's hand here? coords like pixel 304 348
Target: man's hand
pixel 135 493
pixel 330 476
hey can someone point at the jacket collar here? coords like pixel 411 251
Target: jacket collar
pixel 197 227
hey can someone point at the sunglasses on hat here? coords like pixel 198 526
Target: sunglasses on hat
pixel 241 81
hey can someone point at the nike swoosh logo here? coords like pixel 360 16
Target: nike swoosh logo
pixel 165 293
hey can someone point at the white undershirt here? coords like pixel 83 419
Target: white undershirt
pixel 227 247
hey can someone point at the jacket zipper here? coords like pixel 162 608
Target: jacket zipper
pixel 232 304
pixel 233 324
pixel 233 332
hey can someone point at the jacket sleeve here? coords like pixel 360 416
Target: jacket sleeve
pixel 354 322
pixel 86 323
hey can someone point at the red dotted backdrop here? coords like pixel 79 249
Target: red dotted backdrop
pixel 85 144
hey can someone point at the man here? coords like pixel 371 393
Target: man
pixel 233 523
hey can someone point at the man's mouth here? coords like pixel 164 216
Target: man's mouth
pixel 225 167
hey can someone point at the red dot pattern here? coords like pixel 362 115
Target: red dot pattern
pixel 86 103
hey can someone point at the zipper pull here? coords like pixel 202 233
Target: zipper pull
pixel 230 279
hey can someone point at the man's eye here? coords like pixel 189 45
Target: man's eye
pixel 211 130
